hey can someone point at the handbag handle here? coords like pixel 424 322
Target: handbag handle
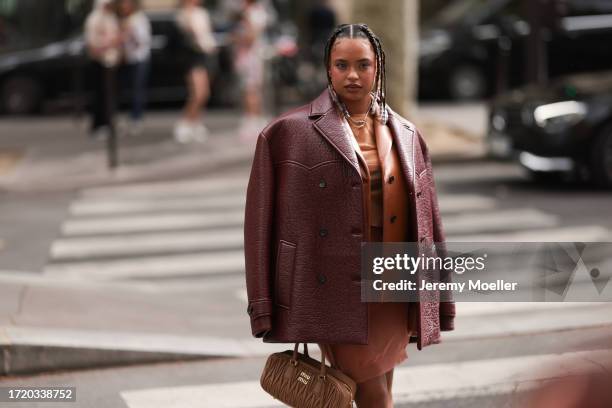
pixel 323 366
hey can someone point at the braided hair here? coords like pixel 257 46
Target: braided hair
pixel 380 83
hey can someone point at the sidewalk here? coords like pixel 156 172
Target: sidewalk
pixel 51 154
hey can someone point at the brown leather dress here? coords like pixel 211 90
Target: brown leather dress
pixel 390 324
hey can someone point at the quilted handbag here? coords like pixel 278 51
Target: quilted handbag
pixel 302 382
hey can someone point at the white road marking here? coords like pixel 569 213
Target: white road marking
pixel 165 189
pixel 89 207
pixel 151 267
pixel 501 220
pixel 562 234
pixel 158 222
pixel 143 244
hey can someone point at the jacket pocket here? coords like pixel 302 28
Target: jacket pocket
pixel 283 284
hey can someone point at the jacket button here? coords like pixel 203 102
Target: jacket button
pixel 322 183
pixel 391 179
pixel 323 232
pixel 321 278
pixel 393 218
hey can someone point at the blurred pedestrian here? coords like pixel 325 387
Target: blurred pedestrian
pixel 249 64
pixel 198 44
pixel 103 42
pixel 136 40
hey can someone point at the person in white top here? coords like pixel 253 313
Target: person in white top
pixel 103 43
pixel 249 64
pixel 198 43
pixel 136 39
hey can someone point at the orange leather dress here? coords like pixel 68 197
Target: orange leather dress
pixel 390 324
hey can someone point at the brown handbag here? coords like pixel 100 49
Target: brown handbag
pixel 302 382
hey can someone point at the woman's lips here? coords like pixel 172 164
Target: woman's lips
pixel 352 88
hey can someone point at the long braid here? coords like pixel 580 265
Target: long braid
pixel 380 84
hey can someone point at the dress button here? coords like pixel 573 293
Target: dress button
pixel 322 279
pixel 323 232
pixel 393 218
pixel 391 179
pixel 418 194
pixel 322 183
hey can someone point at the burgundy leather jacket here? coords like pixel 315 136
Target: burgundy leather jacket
pixel 304 225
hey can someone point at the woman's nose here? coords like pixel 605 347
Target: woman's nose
pixel 353 73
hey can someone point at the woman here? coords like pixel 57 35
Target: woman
pixel 136 36
pixel 249 63
pixel 103 42
pixel 198 44
pixel 326 177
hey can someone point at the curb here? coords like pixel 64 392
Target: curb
pixel 32 350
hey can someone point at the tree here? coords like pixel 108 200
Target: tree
pixel 397 25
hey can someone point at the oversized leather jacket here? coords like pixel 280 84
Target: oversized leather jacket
pixel 305 222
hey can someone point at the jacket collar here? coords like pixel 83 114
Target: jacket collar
pixel 328 121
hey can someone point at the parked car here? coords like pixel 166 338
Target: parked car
pixel 460 47
pixel 57 72
pixel 565 127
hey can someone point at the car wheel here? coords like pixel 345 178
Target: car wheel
pixel 20 95
pixel 466 83
pixel 601 159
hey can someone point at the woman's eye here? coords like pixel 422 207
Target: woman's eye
pixel 365 65
pixel 341 65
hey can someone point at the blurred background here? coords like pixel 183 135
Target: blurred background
pixel 122 192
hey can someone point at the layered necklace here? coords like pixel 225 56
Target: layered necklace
pixel 358 123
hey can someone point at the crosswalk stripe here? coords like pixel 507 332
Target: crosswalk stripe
pixel 562 234
pixel 416 384
pixel 537 320
pixel 464 202
pixel 116 206
pixel 143 244
pixel 163 189
pixel 497 220
pixel 221 262
pixel 150 223
pixel 465 309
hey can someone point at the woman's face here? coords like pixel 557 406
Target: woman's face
pixel 352 68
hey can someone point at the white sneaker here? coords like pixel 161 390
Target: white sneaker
pixel 183 132
pixel 200 133
pixel 101 134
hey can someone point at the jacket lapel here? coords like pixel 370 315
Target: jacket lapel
pixel 403 137
pixel 330 125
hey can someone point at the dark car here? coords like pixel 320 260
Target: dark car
pixel 460 47
pixel 56 73
pixel 565 127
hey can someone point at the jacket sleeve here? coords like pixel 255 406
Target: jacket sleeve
pixel 447 309
pixel 258 225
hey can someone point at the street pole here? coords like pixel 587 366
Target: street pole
pixel 397 25
pixel 111 142
pixel 541 17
